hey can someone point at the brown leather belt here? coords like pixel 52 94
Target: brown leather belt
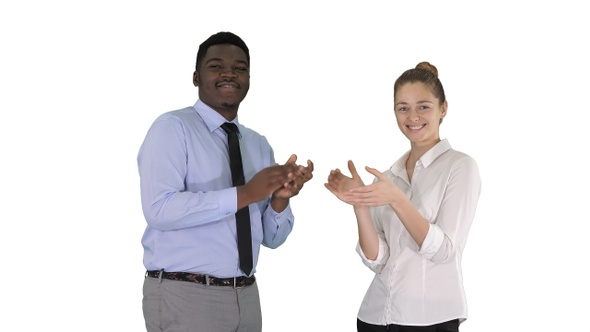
pixel 202 279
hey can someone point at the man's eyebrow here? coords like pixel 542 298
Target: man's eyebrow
pixel 220 59
pixel 213 59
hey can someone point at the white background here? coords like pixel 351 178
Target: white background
pixel 82 81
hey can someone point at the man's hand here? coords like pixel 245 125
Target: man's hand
pixel 280 197
pixel 296 182
pixel 265 183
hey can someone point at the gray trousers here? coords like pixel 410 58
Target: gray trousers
pixel 180 306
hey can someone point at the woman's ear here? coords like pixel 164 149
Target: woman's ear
pixel 443 112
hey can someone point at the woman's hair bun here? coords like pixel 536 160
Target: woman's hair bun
pixel 424 65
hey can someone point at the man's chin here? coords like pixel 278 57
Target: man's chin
pixel 229 104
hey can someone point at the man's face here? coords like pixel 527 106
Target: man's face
pixel 223 78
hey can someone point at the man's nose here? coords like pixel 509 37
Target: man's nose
pixel 228 72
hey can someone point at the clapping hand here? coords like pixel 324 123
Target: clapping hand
pixel 381 192
pixel 298 176
pixel 352 190
pixel 340 184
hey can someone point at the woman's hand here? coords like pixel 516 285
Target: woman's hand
pixel 340 184
pixel 381 192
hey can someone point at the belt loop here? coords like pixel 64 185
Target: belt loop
pixel 207 279
pixel 235 282
pixel 160 276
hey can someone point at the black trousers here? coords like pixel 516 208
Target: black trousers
pixel 450 326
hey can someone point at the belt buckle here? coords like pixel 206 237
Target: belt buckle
pixel 235 283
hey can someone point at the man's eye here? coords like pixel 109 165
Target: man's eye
pixel 215 66
pixel 241 68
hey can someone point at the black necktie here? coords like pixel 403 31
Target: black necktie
pixel 243 214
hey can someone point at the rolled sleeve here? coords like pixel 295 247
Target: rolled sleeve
pixel 448 234
pixel 382 256
pixel 432 242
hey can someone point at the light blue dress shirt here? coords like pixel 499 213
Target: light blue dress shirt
pixel 187 196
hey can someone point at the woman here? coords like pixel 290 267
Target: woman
pixel 414 218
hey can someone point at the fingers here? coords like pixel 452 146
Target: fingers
pixel 292 159
pixel 352 169
pixel 375 172
pixel 363 189
pixel 337 181
pixel 334 175
pixel 285 180
pixel 298 175
pixel 307 172
pixel 333 188
pixel 330 188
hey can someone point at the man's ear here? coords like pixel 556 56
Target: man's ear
pixel 196 78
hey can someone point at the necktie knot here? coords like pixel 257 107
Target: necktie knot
pixel 229 127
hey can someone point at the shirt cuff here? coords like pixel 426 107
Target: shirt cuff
pixel 371 262
pixel 228 201
pixel 432 242
pixel 280 217
pixel 277 226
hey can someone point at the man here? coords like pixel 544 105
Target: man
pixel 197 279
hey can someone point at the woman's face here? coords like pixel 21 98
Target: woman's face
pixel 418 113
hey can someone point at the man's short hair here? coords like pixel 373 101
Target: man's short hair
pixel 221 38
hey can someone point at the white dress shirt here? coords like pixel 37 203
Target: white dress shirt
pixel 424 286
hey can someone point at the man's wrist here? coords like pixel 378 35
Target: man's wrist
pixel 278 204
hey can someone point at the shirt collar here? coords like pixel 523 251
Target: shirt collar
pixel 428 158
pixel 212 119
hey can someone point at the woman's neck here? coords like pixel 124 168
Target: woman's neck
pixel 417 150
